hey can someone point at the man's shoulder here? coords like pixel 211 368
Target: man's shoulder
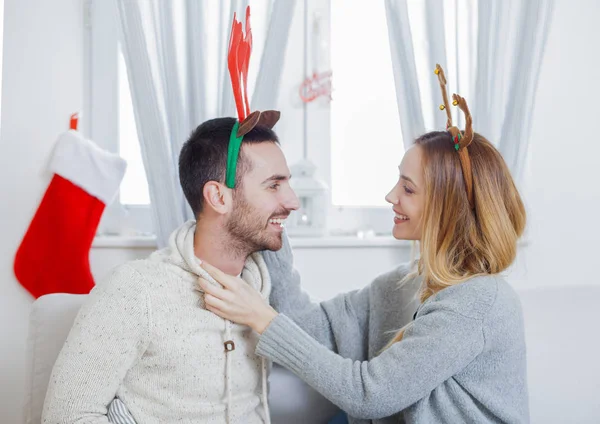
pixel 137 273
pixel 147 268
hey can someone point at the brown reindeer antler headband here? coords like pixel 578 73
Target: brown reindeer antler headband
pixel 461 142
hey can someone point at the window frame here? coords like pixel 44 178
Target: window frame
pixel 101 105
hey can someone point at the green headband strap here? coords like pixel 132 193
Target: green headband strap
pixel 233 152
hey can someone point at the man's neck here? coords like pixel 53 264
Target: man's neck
pixel 211 245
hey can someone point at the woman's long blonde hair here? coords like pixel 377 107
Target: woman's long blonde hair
pixel 459 242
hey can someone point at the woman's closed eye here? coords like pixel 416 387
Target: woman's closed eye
pixel 408 190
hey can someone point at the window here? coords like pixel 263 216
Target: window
pixel 366 142
pixel 109 106
pixel 359 154
pixel 134 188
pixel 362 81
pixel 366 139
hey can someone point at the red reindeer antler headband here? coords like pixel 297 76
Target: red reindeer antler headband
pixel 238 61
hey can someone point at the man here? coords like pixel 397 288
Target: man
pixel 144 335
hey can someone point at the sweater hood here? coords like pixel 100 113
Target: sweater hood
pixel 180 253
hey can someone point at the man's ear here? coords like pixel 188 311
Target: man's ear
pixel 218 197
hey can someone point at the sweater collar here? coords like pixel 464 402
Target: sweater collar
pixel 181 246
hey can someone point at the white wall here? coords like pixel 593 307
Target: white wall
pixel 43 84
pixel 563 192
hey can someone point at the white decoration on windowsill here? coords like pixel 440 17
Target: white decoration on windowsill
pixel 311 218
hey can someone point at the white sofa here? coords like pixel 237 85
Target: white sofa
pixel 562 343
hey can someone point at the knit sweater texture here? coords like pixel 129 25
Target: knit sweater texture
pixel 462 359
pixel 145 337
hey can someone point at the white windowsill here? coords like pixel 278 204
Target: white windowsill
pixel 149 242
pixel 125 242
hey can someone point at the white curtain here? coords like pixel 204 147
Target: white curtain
pixel 268 80
pixel 408 94
pixel 176 53
pixel 491 51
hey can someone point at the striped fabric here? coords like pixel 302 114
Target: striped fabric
pixel 118 413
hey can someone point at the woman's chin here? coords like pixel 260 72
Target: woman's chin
pixel 400 233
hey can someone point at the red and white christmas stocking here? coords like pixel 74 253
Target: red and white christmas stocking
pixel 54 254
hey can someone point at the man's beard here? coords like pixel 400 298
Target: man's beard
pixel 248 229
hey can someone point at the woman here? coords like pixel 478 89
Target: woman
pixel 462 358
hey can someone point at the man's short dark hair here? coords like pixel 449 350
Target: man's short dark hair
pixel 203 157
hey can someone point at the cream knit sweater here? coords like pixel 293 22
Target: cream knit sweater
pixel 145 337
